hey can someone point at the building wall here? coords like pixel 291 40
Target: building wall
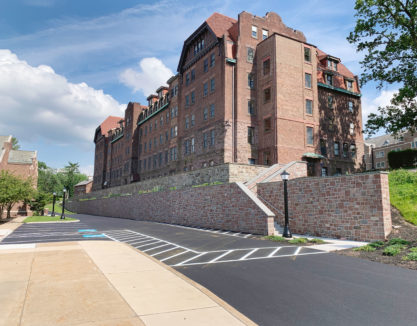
pixel 228 207
pixel 355 207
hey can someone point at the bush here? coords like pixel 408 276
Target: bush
pixel 393 250
pixel 39 202
pixel 298 240
pixel 402 159
pixel 318 241
pixel 275 238
pixel 376 244
pixel 411 256
pixel 398 241
pixel 366 248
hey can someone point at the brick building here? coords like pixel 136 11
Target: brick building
pixel 250 91
pixel 23 164
pixel 377 149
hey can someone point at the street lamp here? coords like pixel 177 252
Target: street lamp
pixel 287 233
pixel 53 204
pixel 63 204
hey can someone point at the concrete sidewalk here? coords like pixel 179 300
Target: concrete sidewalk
pixel 95 283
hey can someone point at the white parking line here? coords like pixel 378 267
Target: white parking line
pixel 190 259
pixel 164 245
pixel 221 256
pixel 147 244
pixel 274 252
pixel 249 253
pixel 181 253
pixel 297 251
pixel 161 252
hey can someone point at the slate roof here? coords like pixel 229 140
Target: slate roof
pixel 21 157
pixel 220 24
pixel 110 123
pixel 384 140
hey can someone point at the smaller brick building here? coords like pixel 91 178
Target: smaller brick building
pixel 23 164
pixel 83 187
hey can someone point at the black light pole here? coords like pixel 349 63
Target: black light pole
pixel 53 205
pixel 287 233
pixel 63 204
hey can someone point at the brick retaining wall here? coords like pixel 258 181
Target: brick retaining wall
pixel 228 206
pixel 354 207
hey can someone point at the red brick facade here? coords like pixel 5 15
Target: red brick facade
pixel 249 91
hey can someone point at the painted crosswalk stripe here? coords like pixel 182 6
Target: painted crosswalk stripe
pixel 190 259
pixel 181 253
pixel 147 244
pixel 221 256
pixel 297 251
pixel 164 251
pixel 249 253
pixel 164 245
pixel 274 252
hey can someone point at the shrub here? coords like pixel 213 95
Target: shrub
pixel 398 241
pixel 366 248
pixel 376 244
pixel 402 159
pixel 414 249
pixel 319 241
pixel 393 250
pixel 411 256
pixel 275 238
pixel 298 240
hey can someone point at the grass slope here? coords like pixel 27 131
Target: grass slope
pixel 58 209
pixel 403 193
pixel 46 219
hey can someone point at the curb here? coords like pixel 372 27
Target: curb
pixel 48 222
pixel 233 311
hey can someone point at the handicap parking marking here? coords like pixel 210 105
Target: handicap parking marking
pixel 176 255
pixel 94 236
pixel 87 230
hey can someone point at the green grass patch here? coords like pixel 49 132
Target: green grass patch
pixel 58 209
pixel 377 244
pixel 413 249
pixel 317 241
pixel 276 238
pixel 398 241
pixel 298 240
pixel 403 193
pixel 366 248
pixel 47 219
pixel 393 250
pixel 411 256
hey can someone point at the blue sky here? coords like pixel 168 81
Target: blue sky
pixel 70 63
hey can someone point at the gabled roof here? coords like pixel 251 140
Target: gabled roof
pixel 108 124
pixel 217 24
pixel 341 68
pixel 21 157
pixel 83 183
pixel 384 140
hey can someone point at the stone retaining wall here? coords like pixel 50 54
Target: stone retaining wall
pixel 355 207
pixel 228 206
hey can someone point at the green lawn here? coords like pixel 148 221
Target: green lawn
pixel 47 219
pixel 58 209
pixel 403 193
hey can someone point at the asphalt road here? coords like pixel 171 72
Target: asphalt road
pixel 270 283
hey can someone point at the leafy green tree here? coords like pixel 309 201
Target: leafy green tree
pixel 15 143
pixel 49 180
pixel 40 200
pixel 72 177
pixel 386 30
pixel 14 189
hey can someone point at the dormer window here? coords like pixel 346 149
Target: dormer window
pixel 349 85
pixel 331 64
pixel 198 46
pixel 329 80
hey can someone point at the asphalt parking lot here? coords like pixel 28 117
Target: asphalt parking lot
pixel 270 283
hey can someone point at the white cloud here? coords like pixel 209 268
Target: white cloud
pixel 87 170
pixel 36 103
pixel 152 74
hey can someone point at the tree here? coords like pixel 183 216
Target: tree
pixel 15 143
pixel 386 30
pixel 41 199
pixel 73 176
pixel 49 180
pixel 13 189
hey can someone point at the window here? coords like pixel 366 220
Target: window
pixel 192 145
pixel 250 55
pixel 212 85
pixel 175 131
pixel 310 139
pixel 212 138
pixel 267 124
pixel 205 65
pixel 192 74
pixel 172 132
pixel 176 111
pixel 251 81
pixel 205 89
pixel 161 122
pixel 161 140
pixel 251 107
pixel 156 124
pixel 380 164
pixel 251 135
pixel 160 159
pixel 309 106
pixel 166 157
pixel 145 147
pixel 205 142
pixel 266 66
pixel 414 143
pixel 308 80
pixel 352 128
pixel 350 106
pixel 187 79
pixel 329 80
pixel 324 171
pixel 187 147
pixel 187 100
pixel 144 164
pixel 336 149
pixel 349 85
pixel 155 142
pixel 345 150
pixel 380 154
pixel 264 34
pixel 186 122
pixel 167 116
pixel 307 54
pixel 205 114
pixel 166 136
pixel 192 120
pixel 251 161
pixel 254 31
pixel 330 102
pixel 212 60
pixel 192 97
pixel 323 147
pixel 267 158
pixel 173 153
pixel 353 150
pixel 212 111
pixel 150 127
pixel 173 110
pixel 267 94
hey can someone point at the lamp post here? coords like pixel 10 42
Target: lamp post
pixel 287 233
pixel 53 204
pixel 63 203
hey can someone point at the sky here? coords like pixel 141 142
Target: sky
pixel 65 65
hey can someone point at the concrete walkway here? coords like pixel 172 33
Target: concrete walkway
pixel 93 283
pixel 9 227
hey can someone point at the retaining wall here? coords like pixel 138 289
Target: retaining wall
pixel 228 206
pixel 355 207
